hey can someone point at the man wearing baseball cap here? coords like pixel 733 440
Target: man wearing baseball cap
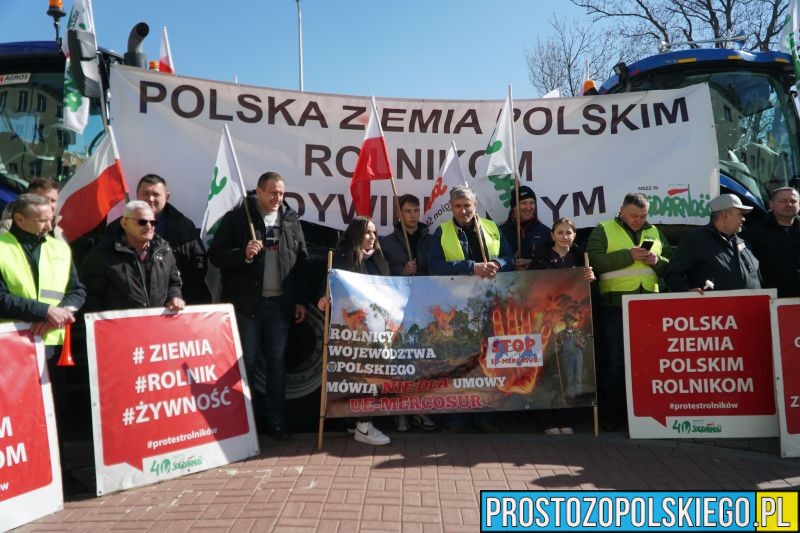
pixel 714 256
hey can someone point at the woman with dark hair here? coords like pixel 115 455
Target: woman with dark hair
pixel 358 250
pixel 569 342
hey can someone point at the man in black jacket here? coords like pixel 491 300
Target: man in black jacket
pixel 400 264
pixel 714 256
pixel 179 232
pixel 265 279
pixel 775 241
pixel 136 269
pixel 394 244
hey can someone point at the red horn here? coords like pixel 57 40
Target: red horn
pixel 66 350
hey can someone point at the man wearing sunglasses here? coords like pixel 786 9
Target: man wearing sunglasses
pixel 181 234
pixel 134 269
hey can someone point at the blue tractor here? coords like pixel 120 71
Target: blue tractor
pixel 753 101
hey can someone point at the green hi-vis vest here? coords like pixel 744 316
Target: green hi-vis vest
pixel 452 247
pixel 54 267
pixel 631 277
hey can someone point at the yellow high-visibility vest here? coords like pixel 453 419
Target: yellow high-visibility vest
pixel 637 274
pixel 452 247
pixel 54 267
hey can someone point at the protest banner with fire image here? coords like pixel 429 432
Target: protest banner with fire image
pixel 459 344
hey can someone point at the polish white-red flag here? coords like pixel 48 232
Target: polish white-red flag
pixel 90 194
pixel 165 63
pixel 373 164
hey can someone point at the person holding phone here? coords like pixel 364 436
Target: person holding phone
pixel 629 255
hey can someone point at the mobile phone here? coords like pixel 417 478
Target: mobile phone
pixel 647 245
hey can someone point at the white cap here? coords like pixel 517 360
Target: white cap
pixel 727 201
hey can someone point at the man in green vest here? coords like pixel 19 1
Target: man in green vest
pixel 628 254
pixel 38 281
pixel 455 247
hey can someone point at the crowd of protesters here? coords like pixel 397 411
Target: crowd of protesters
pixel 152 257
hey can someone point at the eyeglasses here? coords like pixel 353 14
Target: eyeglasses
pixel 143 221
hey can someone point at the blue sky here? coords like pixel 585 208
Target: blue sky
pixel 466 49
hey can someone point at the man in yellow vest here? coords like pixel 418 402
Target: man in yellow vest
pixel 455 250
pixel 39 284
pixel 455 247
pixel 38 281
pixel 628 254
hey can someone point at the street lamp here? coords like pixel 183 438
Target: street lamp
pixel 300 42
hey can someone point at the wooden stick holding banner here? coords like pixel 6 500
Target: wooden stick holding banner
pixel 241 183
pixel 323 396
pixel 594 407
pixel 402 227
pixel 476 220
pixel 515 175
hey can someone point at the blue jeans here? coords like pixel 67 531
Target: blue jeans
pixel 264 335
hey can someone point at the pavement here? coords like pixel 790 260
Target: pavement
pixel 421 482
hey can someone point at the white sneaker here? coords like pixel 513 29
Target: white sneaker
pixel 401 423
pixel 552 431
pixel 567 431
pixel 369 434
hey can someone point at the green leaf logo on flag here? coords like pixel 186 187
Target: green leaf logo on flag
pixel 211 232
pixel 504 184
pixel 216 188
pixel 494 147
pixel 72 96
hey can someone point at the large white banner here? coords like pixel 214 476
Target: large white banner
pixel 581 155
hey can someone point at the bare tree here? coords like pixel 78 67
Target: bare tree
pixel 645 22
pixel 558 62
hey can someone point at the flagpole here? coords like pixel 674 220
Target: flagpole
pixel 476 220
pixel 516 180
pixel 323 398
pixel 241 184
pixel 402 227
pixel 394 190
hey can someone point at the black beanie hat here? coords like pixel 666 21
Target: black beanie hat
pixel 525 193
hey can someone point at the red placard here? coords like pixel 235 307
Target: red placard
pixel 697 363
pixel 166 383
pixel 789 342
pixel 25 463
